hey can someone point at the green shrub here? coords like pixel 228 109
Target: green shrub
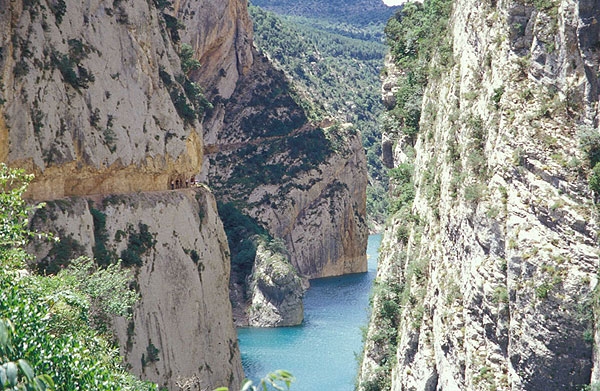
pixel 59 9
pixel 188 62
pixel 139 243
pixel 185 111
pixel 594 179
pixel 51 338
pixel 240 229
pixel 415 36
pixel 474 192
pixel 497 95
pixel 589 142
pixel 101 254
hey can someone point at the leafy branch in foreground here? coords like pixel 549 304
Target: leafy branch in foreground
pixel 273 380
pixel 14 213
pixel 17 374
pixel 47 322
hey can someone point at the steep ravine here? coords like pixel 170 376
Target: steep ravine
pixel 487 278
pixel 104 102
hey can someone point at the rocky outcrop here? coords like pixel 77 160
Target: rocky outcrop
pixel 487 279
pixel 276 288
pixel 181 329
pixel 93 99
pixel 221 35
pixel 96 102
pixel 305 182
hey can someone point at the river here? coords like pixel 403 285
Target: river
pixel 320 353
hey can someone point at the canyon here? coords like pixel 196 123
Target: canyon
pixel 135 118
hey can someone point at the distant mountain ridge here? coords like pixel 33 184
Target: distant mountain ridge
pixel 357 12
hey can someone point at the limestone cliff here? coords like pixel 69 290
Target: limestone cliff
pixel 301 179
pixel 93 99
pixel 104 99
pixel 305 182
pixel 96 99
pixel 276 288
pixel 181 329
pixel 488 269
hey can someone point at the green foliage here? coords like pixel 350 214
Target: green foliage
pixel 415 36
pixel 351 17
pixel 403 189
pixel 240 229
pixel 543 290
pixel 173 25
pixel 59 9
pixel 60 255
pixel 151 355
pixel 280 159
pixel 17 374
pixel 188 62
pixel 280 380
pixel 196 95
pixel 337 66
pixel 594 179
pixel 185 111
pixel 589 142
pixel 101 254
pixel 14 213
pixel 497 95
pixel 50 342
pixel 106 289
pixel 72 73
pixel 187 97
pixel 52 333
pixel 474 192
pixel 139 243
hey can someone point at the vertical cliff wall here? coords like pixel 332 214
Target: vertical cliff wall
pixel 306 182
pixel 303 180
pixel 488 270
pixel 181 330
pixel 96 102
pixel 93 98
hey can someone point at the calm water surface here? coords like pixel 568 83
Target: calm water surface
pixel 321 352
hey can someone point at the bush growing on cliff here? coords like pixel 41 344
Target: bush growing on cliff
pixel 240 229
pixel 50 341
pixel 594 179
pixel 415 36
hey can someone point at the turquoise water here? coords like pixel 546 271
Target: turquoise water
pixel 321 352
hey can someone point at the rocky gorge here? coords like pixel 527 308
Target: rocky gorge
pixel 118 108
pixel 488 273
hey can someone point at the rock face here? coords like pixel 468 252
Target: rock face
pixel 93 98
pixel 276 288
pixel 221 34
pixel 95 102
pixel 488 281
pixel 305 182
pixel 181 328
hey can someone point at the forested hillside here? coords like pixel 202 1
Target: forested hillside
pixel 351 12
pixel 335 60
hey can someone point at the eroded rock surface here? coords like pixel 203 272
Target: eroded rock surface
pixel 488 281
pixel 181 327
